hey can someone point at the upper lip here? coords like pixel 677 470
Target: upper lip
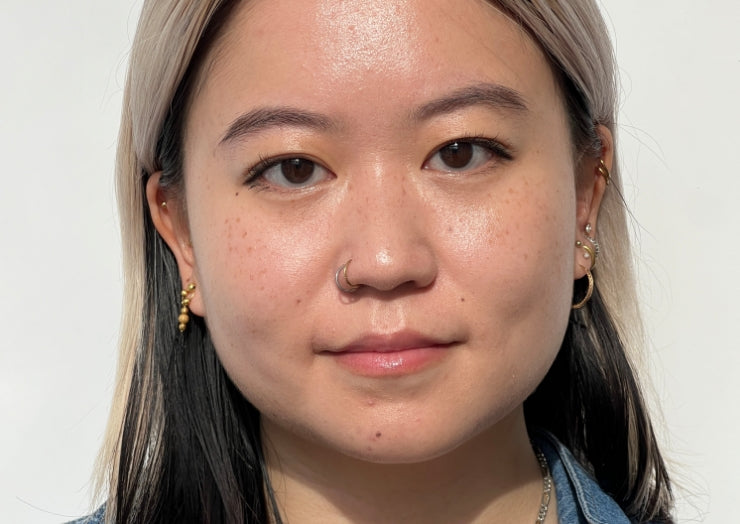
pixel 387 343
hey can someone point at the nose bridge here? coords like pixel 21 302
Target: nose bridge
pixel 379 196
pixel 386 230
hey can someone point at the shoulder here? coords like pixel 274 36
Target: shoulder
pixel 95 518
pixel 580 498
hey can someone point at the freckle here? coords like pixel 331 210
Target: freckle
pixel 238 219
pixel 236 194
pixel 462 299
pixel 378 434
pixel 298 301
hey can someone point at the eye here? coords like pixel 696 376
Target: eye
pixel 288 173
pixel 466 154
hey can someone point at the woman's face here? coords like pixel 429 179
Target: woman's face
pixel 426 141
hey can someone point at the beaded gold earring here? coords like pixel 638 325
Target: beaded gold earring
pixel 185 296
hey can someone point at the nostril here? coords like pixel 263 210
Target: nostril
pixel 412 267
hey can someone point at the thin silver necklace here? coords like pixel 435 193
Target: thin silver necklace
pixel 546 486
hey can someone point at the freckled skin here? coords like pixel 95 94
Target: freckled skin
pixel 485 236
pixel 485 259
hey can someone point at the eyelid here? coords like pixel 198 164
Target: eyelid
pixel 255 175
pixel 494 144
pixel 499 150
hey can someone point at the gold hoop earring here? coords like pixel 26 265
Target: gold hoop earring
pixel 588 255
pixel 351 288
pixel 604 171
pixel 185 296
pixel 589 291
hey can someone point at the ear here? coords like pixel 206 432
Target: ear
pixel 590 189
pixel 168 216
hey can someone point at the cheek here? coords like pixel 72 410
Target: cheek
pixel 512 261
pixel 516 240
pixel 257 279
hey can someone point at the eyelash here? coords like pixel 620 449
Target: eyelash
pixel 254 173
pixel 495 146
pixel 254 176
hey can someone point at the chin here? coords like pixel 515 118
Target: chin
pixel 426 442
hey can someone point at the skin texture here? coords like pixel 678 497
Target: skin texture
pixel 481 261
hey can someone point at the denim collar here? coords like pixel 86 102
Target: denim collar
pixel 580 499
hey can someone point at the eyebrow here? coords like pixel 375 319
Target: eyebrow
pixel 493 95
pixel 263 118
pixel 496 96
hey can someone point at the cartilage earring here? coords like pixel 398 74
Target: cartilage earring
pixel 588 254
pixel 185 296
pixel 597 247
pixel 604 171
pixel 350 288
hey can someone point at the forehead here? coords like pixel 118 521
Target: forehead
pixel 367 58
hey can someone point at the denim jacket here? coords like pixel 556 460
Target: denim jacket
pixel 580 499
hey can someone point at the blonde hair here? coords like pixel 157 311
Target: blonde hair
pixel 167 36
pixel 574 36
pixel 172 40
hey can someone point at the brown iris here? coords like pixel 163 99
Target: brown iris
pixel 457 155
pixel 297 170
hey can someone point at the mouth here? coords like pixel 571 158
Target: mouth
pixel 391 355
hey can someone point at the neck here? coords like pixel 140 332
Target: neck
pixel 494 477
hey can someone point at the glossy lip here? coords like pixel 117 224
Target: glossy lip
pixel 392 355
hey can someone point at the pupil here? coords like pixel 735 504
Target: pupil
pixel 297 170
pixel 457 154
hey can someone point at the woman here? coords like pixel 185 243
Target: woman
pixel 377 269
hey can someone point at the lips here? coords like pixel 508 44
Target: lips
pixel 381 355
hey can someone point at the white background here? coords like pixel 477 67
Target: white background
pixel 62 65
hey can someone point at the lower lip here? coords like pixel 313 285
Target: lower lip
pixel 390 363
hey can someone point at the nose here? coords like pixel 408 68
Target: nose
pixel 387 230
